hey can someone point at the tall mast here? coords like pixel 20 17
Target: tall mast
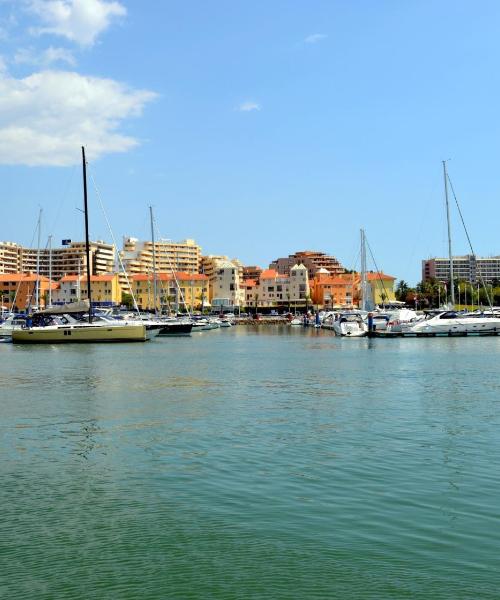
pixel 155 285
pixel 363 270
pixel 87 244
pixel 452 279
pixel 37 284
pixel 50 270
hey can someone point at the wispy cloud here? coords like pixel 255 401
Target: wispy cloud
pixel 80 21
pixel 248 106
pixel 314 38
pixel 46 58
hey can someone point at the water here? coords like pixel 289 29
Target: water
pixel 277 463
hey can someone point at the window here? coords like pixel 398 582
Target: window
pixel 270 288
pixel 279 288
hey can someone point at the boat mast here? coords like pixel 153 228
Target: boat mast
pixel 155 285
pixel 452 279
pixel 87 244
pixel 363 270
pixel 37 285
pixel 50 270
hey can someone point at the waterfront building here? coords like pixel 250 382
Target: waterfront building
pixel 312 260
pixel 137 256
pixel 332 291
pixel 468 268
pixel 175 290
pixel 18 290
pixel 70 259
pixel 106 289
pixel 274 290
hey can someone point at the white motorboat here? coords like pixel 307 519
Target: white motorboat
pixel 11 322
pixel 350 324
pixel 452 322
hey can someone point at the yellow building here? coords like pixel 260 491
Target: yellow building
pixel 106 289
pixel 137 256
pixel 175 290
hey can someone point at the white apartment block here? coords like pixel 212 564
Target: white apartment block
pixel 58 262
pixel 137 256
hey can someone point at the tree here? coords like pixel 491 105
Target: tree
pixel 128 300
pixel 402 290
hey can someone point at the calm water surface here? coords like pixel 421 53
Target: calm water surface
pixel 237 463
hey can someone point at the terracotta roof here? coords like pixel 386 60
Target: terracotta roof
pixel 181 276
pixel 268 274
pixel 83 278
pixel 23 277
pixel 249 283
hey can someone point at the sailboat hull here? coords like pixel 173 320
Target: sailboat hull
pixel 79 334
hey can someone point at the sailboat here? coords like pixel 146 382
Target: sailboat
pixel 452 322
pixel 352 323
pixel 63 324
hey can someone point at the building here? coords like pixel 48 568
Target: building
pixel 106 289
pixel 10 257
pixel 57 262
pixel 465 268
pixel 276 291
pixel 137 257
pixel 175 291
pixel 332 291
pixel 311 259
pixel 251 272
pixel 18 290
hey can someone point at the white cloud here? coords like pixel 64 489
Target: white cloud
pixel 80 21
pixel 315 38
pixel 45 58
pixel 249 106
pixel 46 117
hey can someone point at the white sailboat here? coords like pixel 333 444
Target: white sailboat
pixel 352 323
pixel 451 321
pixel 62 325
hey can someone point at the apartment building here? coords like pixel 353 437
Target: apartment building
pixel 57 262
pixel 106 289
pixel 311 259
pixel 274 290
pixel 467 268
pixel 10 257
pixel 18 291
pixel 174 290
pixel 183 256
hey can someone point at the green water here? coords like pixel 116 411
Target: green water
pixel 277 463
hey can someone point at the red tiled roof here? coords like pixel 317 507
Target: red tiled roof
pixel 269 274
pixel 180 276
pixel 17 277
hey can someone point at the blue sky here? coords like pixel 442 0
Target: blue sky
pixel 257 128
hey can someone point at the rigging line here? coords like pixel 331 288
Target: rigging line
pixel 114 242
pixel 470 243
pixel 378 270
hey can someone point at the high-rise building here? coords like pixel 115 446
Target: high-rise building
pixel 467 268
pixel 137 257
pixel 312 260
pixel 58 262
pixel 10 257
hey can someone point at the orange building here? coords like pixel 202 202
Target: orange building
pixel 332 291
pixel 18 290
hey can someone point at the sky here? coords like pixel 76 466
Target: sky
pixel 257 128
